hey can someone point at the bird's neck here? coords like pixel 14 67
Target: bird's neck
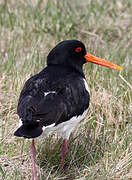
pixel 68 68
pixel 76 67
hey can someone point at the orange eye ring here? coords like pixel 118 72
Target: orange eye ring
pixel 78 49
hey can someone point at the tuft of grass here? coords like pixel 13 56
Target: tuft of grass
pixel 100 147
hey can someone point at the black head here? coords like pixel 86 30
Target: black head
pixel 68 53
pixel 73 53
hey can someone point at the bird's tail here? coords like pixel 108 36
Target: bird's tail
pixel 29 127
pixel 28 131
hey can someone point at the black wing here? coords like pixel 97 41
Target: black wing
pixel 44 101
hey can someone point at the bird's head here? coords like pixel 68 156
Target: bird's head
pixel 73 52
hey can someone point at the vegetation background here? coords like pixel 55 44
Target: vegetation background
pixel 101 146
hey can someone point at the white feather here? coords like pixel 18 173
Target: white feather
pixel 64 129
pixel 46 93
pixel 86 85
pixel 20 122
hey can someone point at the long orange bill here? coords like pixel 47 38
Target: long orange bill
pixel 93 59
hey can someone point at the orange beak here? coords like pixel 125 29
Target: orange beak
pixel 93 59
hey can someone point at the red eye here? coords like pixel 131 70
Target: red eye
pixel 78 49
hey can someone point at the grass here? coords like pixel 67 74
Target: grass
pixel 101 146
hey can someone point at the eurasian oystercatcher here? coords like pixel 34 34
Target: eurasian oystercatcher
pixel 57 98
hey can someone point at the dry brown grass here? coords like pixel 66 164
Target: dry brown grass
pixel 100 148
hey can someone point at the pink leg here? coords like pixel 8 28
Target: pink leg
pixel 33 155
pixel 64 152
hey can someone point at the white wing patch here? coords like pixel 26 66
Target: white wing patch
pixel 51 125
pixel 50 92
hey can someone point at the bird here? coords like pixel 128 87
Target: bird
pixel 57 98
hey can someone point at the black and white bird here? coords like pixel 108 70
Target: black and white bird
pixel 57 98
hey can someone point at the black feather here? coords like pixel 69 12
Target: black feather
pixel 28 132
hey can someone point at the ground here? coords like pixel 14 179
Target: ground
pixel 101 145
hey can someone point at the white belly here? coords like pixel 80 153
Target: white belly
pixel 64 129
